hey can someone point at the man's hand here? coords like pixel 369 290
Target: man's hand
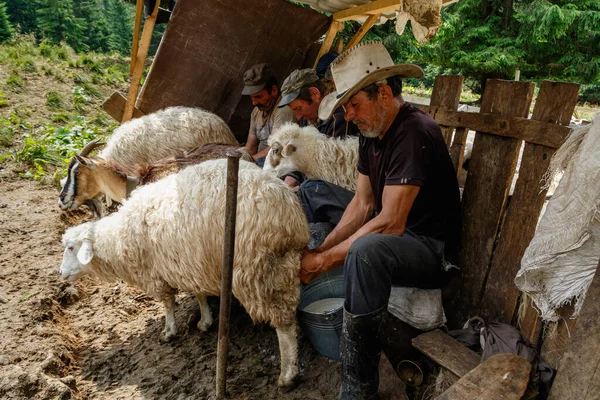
pixel 311 266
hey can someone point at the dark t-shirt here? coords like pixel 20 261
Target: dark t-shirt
pixel 413 152
pixel 336 126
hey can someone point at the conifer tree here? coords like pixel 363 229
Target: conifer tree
pixel 6 29
pixel 95 29
pixel 57 22
pixel 22 14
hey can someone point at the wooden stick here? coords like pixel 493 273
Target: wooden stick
pixel 334 28
pixel 139 64
pixel 363 30
pixel 139 10
pixel 233 160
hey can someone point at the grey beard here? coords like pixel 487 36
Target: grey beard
pixel 370 133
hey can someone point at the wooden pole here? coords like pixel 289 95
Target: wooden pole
pixel 233 160
pixel 334 28
pixel 138 68
pixel 363 30
pixel 139 10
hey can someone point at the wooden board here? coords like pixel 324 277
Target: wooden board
pixel 115 105
pixel 446 95
pixel 530 323
pixel 538 132
pixel 491 170
pixel 447 352
pixel 555 104
pixel 579 374
pixel 501 377
pixel 373 7
pixel 333 30
pixel 457 149
pixel 362 31
pixel 555 344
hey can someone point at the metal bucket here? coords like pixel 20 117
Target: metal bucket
pixel 323 329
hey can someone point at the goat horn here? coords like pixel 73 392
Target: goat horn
pixel 90 146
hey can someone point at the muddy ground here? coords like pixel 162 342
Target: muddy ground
pixel 97 340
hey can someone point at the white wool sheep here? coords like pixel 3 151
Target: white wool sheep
pixel 318 156
pixel 168 236
pixel 163 134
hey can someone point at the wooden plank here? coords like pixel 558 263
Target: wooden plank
pixel 556 343
pixel 447 352
pixel 115 105
pixel 555 104
pixel 138 69
pixel 334 28
pixel 139 10
pixel 579 374
pixel 373 7
pixel 362 31
pixel 457 149
pixel 491 170
pixel 502 376
pixel 446 95
pixel 530 323
pixel 537 132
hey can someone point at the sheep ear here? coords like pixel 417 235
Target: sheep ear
pixel 288 150
pixel 85 253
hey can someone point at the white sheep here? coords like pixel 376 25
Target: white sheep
pixel 163 134
pixel 318 156
pixel 168 236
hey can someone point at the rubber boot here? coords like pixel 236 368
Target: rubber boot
pixel 360 349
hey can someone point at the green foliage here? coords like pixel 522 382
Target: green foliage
pixel 54 101
pixel 57 22
pixel 22 14
pixel 7 132
pixel 6 28
pixel 61 118
pixel 14 82
pixel 3 101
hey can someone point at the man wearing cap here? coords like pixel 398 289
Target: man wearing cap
pixel 261 86
pixel 402 226
pixel 302 92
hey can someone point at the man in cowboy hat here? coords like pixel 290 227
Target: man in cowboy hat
pixel 260 84
pixel 302 91
pixel 402 225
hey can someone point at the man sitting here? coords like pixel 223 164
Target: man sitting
pixel 402 226
pixel 261 86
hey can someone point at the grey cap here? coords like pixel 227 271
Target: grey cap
pixel 294 83
pixel 256 78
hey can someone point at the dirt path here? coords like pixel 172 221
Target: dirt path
pixel 94 340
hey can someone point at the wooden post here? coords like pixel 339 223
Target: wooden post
pixel 139 64
pixel 491 170
pixel 446 95
pixel 334 28
pixel 457 150
pixel 363 30
pixel 555 103
pixel 139 10
pixel 233 160
pixel 579 374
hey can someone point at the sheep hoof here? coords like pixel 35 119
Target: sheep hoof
pixel 203 326
pixel 285 385
pixel 167 337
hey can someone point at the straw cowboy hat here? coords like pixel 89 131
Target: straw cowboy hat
pixel 362 65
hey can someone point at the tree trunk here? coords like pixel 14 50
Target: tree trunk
pixel 507 12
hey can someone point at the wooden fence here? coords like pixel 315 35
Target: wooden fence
pixel 497 227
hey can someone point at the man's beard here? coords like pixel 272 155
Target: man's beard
pixel 267 107
pixel 376 128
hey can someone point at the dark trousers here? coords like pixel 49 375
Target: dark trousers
pixel 323 201
pixel 376 261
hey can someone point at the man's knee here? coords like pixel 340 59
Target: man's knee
pixel 366 246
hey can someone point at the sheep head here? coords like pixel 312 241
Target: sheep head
pixel 78 254
pixel 290 146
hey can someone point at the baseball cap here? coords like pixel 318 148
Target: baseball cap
pixel 294 82
pixel 256 78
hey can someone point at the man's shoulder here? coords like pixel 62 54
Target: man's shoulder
pixel 284 113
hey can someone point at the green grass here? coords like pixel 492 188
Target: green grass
pixel 54 101
pixel 14 82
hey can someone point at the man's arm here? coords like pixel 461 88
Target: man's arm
pixel 261 154
pixel 356 214
pixel 252 144
pixel 396 204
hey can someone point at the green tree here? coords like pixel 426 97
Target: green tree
pixel 121 17
pixel 95 29
pixel 56 21
pixel 22 14
pixel 6 29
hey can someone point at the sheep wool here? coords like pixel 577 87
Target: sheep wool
pixel 318 156
pixel 165 133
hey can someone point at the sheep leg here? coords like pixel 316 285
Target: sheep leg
pixel 206 319
pixel 288 350
pixel 170 330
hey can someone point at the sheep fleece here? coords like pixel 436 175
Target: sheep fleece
pixel 169 234
pixel 165 133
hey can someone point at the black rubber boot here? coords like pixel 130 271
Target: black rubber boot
pixel 360 349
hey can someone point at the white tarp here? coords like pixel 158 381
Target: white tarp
pixel 559 264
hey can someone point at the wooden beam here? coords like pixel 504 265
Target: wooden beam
pixel 447 352
pixel 139 64
pixel 579 374
pixel 362 31
pixel 115 105
pixel 334 28
pixel 139 10
pixel 446 94
pixel 372 8
pixel 537 132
